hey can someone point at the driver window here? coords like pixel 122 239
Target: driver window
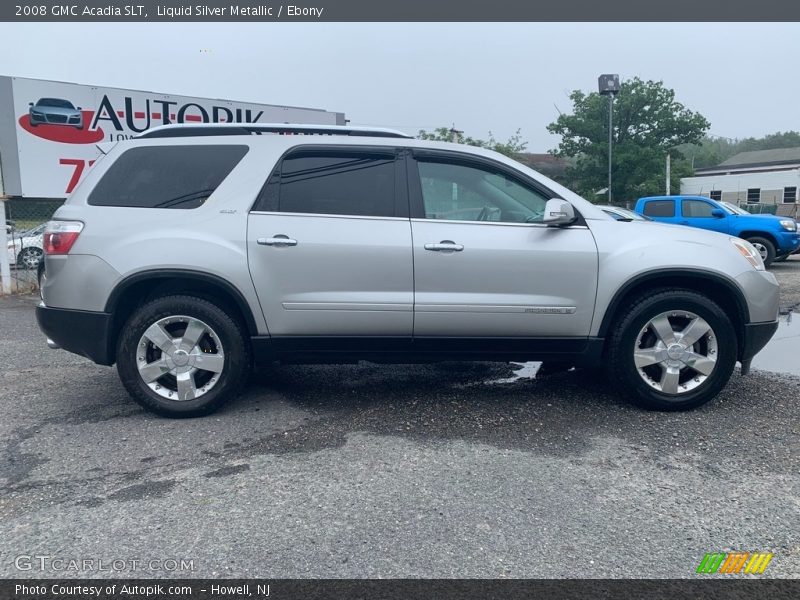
pixel 696 208
pixel 454 192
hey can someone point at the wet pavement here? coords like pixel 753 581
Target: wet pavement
pixel 446 470
pixel 782 353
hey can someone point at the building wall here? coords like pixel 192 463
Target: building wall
pixel 734 186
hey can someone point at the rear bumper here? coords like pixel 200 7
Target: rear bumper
pixel 78 331
pixel 756 336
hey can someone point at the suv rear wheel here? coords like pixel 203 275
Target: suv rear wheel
pixel 673 350
pixel 182 356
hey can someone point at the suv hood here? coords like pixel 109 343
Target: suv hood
pixel 654 232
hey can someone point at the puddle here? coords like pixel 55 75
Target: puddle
pixel 782 353
pixel 526 370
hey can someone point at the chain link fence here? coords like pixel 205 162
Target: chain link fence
pixel 25 222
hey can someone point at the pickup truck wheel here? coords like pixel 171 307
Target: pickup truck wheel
pixel 765 248
pixel 672 350
pixel 181 356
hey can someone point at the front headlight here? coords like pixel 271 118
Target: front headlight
pixel 747 250
pixel 789 224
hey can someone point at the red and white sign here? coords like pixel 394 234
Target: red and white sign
pixel 52 140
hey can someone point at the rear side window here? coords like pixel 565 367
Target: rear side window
pixel 166 176
pixel 334 183
pixel 660 208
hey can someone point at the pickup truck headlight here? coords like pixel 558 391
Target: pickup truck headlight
pixel 789 224
pixel 749 252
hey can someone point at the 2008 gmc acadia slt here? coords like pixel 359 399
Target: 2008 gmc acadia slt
pixel 193 253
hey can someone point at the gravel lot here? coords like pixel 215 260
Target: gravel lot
pixel 393 471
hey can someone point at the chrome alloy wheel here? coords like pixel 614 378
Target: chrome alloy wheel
pixel 762 250
pixel 675 352
pixel 180 358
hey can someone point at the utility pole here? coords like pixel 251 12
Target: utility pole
pixel 608 85
pixel 610 140
pixel 668 172
pixel 454 133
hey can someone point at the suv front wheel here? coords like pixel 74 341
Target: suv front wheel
pixel 182 356
pixel 673 350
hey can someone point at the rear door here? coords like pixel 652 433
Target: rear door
pixel 329 244
pixel 661 210
pixel 485 265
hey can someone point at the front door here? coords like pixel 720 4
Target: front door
pixel 697 213
pixel 484 263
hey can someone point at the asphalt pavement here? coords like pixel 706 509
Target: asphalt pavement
pixel 386 471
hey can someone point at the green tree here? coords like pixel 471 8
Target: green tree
pixel 513 146
pixel 648 124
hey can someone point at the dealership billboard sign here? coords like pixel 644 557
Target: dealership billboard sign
pixel 49 130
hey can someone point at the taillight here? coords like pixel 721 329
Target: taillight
pixel 59 236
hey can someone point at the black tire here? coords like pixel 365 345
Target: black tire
pixel 30 258
pixel 767 245
pixel 621 368
pixel 229 332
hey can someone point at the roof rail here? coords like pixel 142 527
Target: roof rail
pixel 192 130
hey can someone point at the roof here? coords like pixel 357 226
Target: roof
pixel 206 129
pixel 758 158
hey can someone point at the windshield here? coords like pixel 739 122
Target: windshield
pixel 620 213
pixel 54 102
pixel 733 209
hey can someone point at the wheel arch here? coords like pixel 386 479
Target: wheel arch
pixel 721 290
pixel 751 233
pixel 136 289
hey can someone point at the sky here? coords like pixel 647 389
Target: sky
pixel 480 77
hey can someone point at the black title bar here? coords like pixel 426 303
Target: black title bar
pixel 401 10
pixel 388 589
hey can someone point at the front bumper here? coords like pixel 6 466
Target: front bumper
pixel 79 331
pixel 788 242
pixel 756 336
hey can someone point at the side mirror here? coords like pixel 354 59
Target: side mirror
pixel 78 108
pixel 30 103
pixel 558 212
pixel 718 213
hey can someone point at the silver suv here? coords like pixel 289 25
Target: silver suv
pixel 193 253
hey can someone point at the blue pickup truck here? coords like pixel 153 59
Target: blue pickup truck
pixel 774 237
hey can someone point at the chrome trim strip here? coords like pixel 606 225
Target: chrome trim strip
pixel 538 225
pixel 362 306
pixel 415 220
pixel 489 308
pixel 327 216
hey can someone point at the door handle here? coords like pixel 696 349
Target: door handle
pixel 277 240
pixel 444 246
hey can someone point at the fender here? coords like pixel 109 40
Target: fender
pixel 655 275
pixel 213 280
